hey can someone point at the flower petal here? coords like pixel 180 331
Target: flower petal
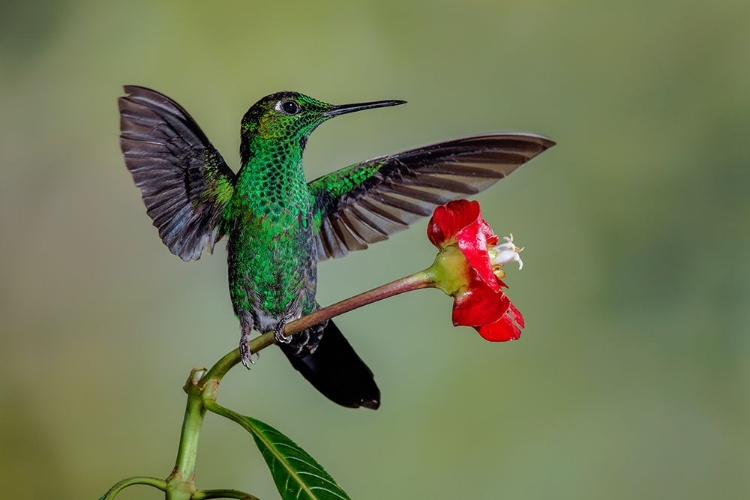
pixel 479 305
pixel 507 328
pixel 472 240
pixel 449 219
pixel 516 315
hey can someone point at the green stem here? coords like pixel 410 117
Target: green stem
pixel 131 481
pixel 180 484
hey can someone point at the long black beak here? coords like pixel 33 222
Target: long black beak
pixel 351 108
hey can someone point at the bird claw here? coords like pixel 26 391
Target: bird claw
pixel 278 334
pixel 246 355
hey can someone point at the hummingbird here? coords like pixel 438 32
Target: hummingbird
pixel 279 226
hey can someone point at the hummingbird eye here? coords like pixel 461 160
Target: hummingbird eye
pixel 288 107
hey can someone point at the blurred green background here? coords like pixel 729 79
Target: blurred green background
pixel 631 379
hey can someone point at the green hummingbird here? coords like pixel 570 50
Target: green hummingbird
pixel 280 226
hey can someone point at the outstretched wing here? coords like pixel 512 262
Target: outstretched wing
pixel 184 181
pixel 369 201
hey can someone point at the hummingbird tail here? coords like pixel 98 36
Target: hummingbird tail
pixel 337 371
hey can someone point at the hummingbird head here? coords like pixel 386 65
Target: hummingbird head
pixel 291 116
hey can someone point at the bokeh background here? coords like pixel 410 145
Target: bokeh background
pixel 632 377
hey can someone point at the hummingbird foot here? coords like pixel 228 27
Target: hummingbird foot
pixel 246 356
pixel 278 333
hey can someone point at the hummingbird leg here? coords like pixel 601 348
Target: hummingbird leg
pixel 245 355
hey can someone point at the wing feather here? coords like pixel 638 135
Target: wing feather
pixel 184 181
pixel 369 201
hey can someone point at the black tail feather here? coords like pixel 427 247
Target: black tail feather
pixel 337 371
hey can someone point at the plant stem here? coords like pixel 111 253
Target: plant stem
pixel 131 481
pixel 180 483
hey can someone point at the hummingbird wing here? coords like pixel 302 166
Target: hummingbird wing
pixel 184 181
pixel 369 201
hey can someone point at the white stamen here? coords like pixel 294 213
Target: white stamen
pixel 505 253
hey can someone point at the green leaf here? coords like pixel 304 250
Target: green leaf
pixel 297 475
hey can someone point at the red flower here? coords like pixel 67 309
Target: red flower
pixel 468 269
